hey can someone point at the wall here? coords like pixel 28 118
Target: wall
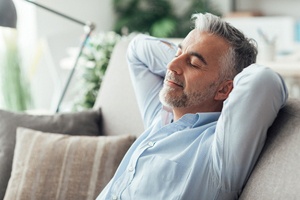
pixel 272 7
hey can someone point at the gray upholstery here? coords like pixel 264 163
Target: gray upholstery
pixel 277 172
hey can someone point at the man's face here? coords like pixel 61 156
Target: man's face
pixel 192 78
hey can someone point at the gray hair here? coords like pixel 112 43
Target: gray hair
pixel 242 51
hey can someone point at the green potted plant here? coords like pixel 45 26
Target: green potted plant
pixel 154 17
pixel 92 66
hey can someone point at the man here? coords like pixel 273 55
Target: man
pixel 206 113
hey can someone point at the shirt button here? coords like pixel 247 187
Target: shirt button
pixel 130 169
pixel 150 144
pixel 114 197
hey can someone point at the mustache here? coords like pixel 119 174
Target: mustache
pixel 171 77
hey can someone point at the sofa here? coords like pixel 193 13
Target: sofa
pixel 73 155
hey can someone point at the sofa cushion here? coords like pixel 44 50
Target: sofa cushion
pixel 277 172
pixel 85 122
pixel 57 166
pixel 121 116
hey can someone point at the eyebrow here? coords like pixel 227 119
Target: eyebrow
pixel 199 56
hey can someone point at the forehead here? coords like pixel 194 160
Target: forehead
pixel 207 44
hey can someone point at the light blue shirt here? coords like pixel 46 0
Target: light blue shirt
pixel 201 156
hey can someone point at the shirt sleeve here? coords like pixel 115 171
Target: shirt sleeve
pixel 147 58
pixel 249 111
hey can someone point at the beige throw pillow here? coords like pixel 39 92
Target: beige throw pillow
pixel 56 166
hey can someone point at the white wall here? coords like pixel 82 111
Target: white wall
pixel 272 7
pixel 223 5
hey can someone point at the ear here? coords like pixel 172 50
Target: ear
pixel 224 90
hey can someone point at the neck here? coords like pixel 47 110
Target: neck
pixel 179 112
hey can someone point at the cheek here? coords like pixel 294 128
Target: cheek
pixel 195 83
pixel 201 83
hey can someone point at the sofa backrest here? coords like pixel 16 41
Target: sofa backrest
pixel 277 172
pixel 121 116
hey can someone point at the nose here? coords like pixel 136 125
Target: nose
pixel 176 65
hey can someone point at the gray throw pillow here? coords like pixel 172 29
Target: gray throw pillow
pixel 78 123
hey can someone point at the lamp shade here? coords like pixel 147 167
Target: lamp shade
pixel 8 14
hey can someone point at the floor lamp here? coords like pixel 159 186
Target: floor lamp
pixel 88 28
pixel 8 14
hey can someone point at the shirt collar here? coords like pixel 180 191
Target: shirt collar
pixel 191 120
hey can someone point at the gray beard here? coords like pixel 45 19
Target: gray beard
pixel 184 100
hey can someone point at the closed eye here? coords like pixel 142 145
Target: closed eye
pixel 199 56
pixel 192 65
pixel 195 62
